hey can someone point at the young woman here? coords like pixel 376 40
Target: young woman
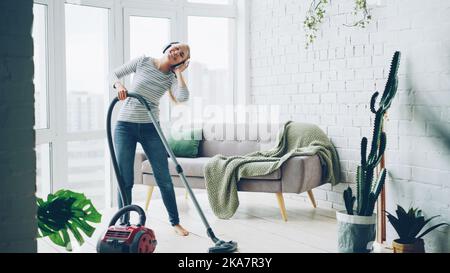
pixel 152 79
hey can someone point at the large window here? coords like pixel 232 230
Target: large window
pixel 211 33
pixel 77 44
pixel 86 67
pixel 71 83
pixel 211 71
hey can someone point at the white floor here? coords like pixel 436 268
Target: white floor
pixel 257 226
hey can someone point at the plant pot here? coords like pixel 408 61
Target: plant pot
pixel 356 234
pixel 417 247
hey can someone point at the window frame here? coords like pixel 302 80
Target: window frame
pixel 56 134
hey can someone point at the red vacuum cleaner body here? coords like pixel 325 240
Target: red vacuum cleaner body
pixel 128 238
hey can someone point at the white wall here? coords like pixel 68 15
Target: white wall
pixel 331 83
pixel 18 227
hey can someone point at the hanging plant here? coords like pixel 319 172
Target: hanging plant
pixel 361 11
pixel 314 18
pixel 66 211
pixel 316 13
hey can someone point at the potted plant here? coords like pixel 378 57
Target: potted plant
pixel 63 212
pixel 408 226
pixel 357 228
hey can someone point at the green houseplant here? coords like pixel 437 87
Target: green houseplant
pixel 357 226
pixel 63 212
pixel 408 225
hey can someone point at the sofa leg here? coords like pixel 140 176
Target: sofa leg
pixel 149 196
pixel 281 205
pixel 311 197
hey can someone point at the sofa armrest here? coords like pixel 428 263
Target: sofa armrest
pixel 139 158
pixel 300 174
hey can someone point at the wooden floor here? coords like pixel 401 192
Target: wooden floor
pixel 257 227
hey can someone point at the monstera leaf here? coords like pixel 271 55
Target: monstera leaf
pixel 63 212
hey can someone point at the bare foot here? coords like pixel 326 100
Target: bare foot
pixel 180 230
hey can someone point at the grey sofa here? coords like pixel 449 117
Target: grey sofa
pixel 297 175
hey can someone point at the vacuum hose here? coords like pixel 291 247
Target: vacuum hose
pixel 123 195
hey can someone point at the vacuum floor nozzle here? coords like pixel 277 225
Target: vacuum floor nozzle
pixel 223 247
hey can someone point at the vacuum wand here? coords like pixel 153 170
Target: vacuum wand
pixel 221 246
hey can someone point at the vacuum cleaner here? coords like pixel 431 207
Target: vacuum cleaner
pixel 124 238
pixel 127 238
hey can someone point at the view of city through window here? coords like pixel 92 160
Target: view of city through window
pixel 210 75
pixel 87 69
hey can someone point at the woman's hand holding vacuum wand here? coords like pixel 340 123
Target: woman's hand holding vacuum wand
pixel 121 91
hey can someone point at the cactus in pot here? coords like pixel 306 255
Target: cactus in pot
pixel 356 228
pixel 367 189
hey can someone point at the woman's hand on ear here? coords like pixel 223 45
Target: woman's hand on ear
pixel 181 67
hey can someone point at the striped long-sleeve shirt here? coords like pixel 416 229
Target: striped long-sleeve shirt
pixel 150 83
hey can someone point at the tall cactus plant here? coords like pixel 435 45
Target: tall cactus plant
pixel 367 190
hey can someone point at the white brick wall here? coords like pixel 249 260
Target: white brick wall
pixel 18 227
pixel 331 84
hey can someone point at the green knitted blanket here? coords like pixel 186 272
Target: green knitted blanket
pixel 295 139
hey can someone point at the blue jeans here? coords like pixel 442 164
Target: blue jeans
pixel 126 136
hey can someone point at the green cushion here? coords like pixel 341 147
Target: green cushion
pixel 187 145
